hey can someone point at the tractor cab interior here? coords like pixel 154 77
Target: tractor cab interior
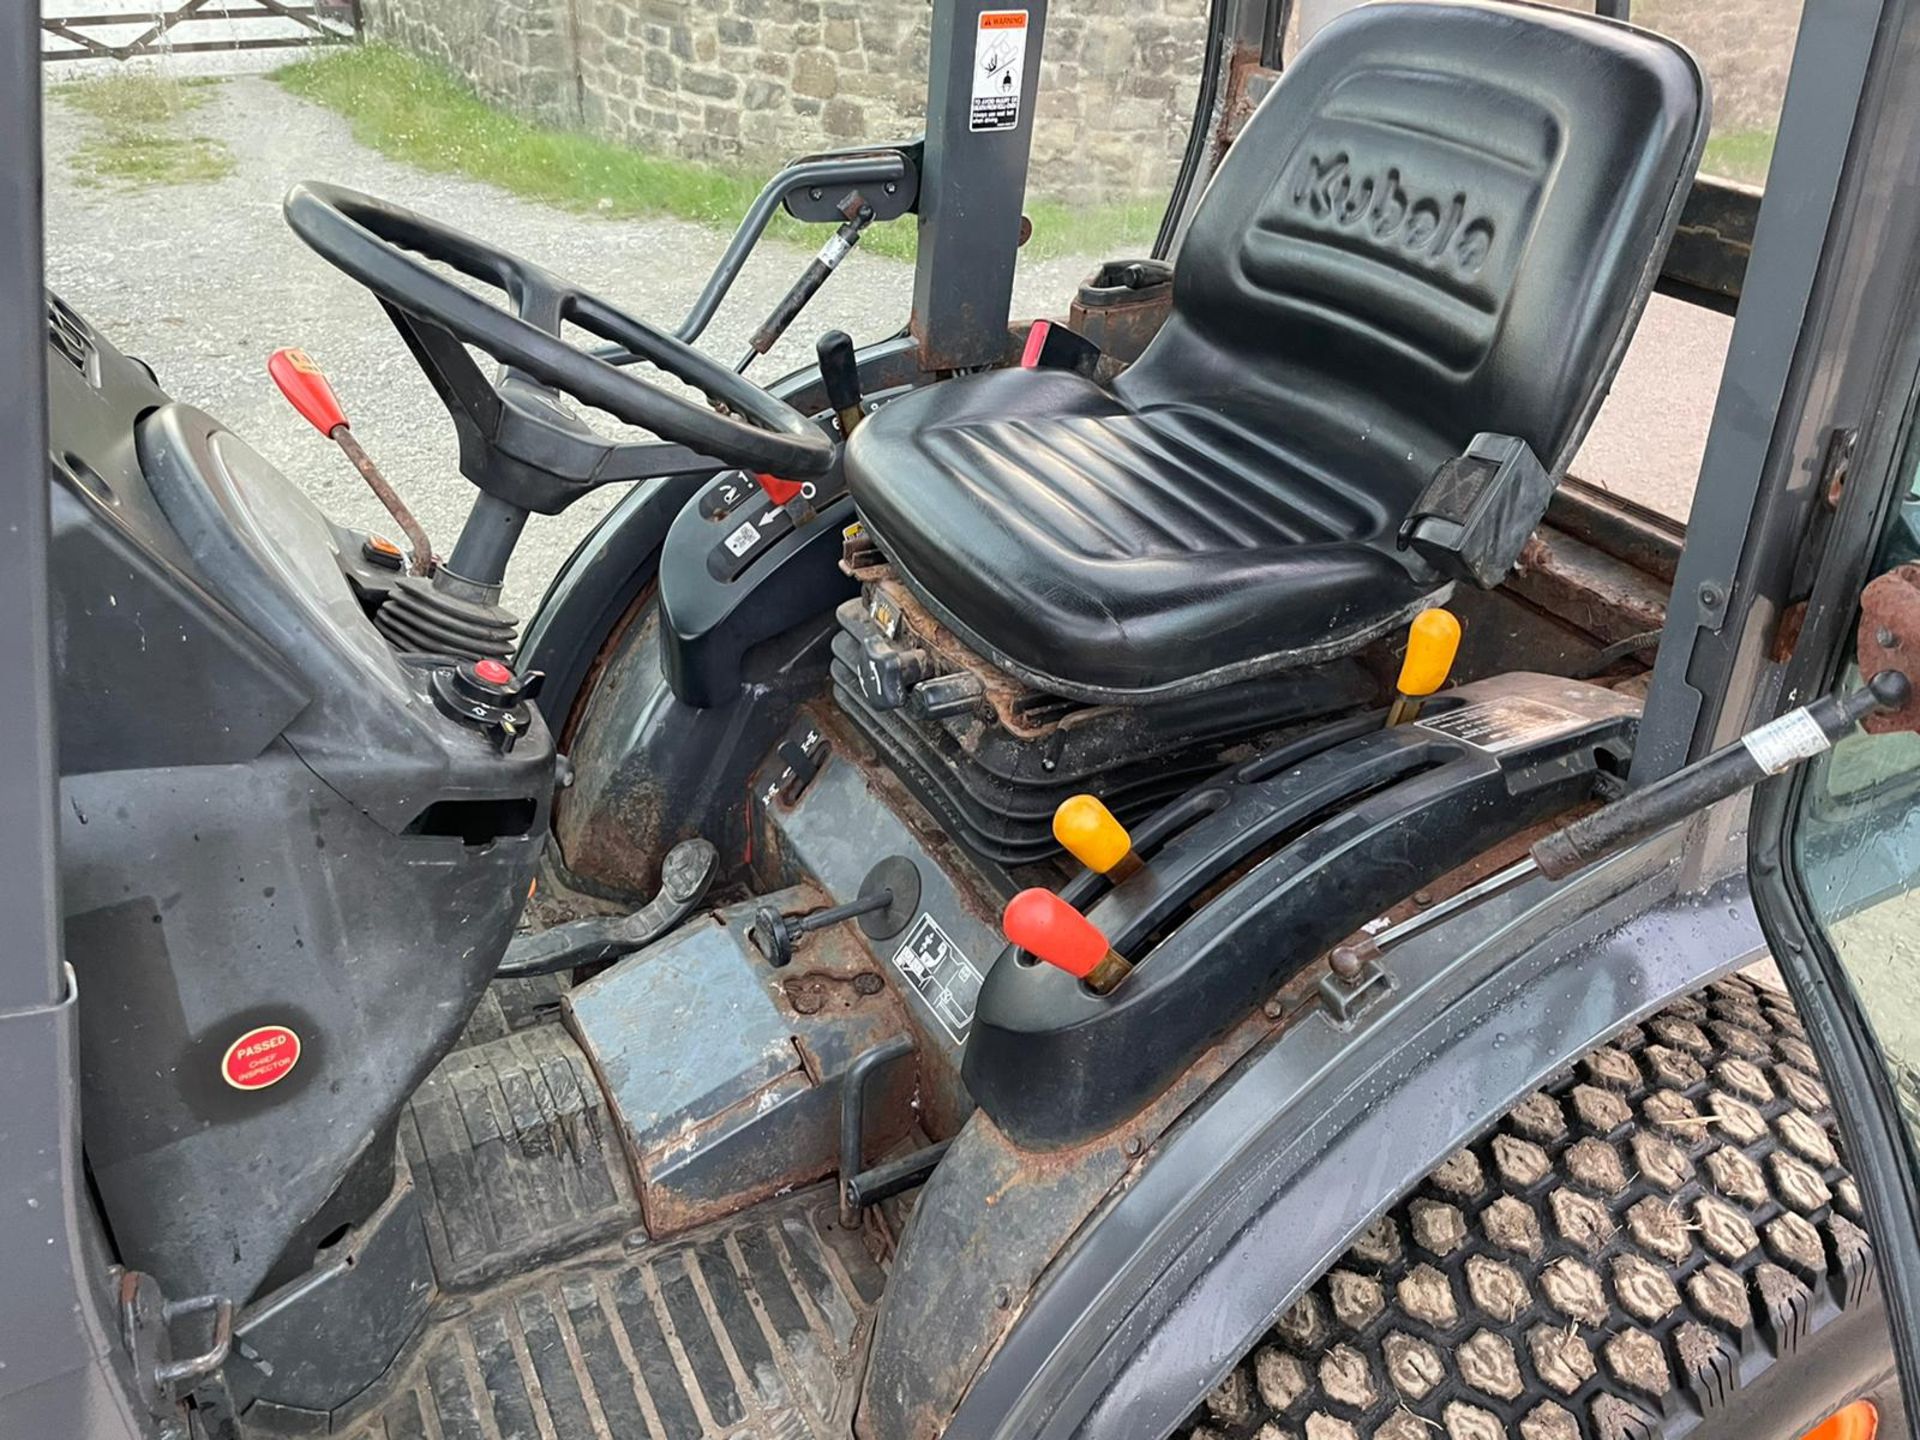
pixel 824 695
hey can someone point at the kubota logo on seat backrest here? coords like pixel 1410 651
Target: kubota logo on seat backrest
pixel 1435 229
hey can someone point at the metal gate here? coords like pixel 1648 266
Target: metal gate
pixel 126 29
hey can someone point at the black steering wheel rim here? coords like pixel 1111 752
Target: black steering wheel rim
pixel 380 244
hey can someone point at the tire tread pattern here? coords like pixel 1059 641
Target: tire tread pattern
pixel 1623 1249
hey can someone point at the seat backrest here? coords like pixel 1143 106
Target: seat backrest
pixel 1444 219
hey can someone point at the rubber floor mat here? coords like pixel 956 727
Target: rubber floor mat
pixel 754 1328
pixel 515 1157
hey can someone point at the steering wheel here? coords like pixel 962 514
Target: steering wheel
pixel 518 443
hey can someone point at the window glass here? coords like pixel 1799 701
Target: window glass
pixel 615 143
pixel 1857 843
pixel 1745 47
pixel 1118 84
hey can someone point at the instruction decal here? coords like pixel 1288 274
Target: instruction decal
pixel 264 1056
pixel 941 973
pixel 999 67
pixel 1496 725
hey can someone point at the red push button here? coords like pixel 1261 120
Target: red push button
pixel 493 672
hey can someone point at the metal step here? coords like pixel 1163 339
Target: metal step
pixel 755 1327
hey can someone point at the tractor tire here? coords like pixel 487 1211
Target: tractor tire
pixel 1660 1243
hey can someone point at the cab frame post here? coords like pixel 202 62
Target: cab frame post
pixel 973 189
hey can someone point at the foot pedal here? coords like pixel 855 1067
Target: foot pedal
pixel 684 877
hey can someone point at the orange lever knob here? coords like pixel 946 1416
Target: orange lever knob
pixel 306 390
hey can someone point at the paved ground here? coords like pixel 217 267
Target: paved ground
pixel 204 281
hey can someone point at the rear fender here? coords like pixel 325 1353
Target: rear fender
pixel 1156 1286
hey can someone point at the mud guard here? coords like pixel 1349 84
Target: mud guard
pixel 1113 1313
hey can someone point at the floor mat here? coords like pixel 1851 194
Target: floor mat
pixel 752 1328
pixel 515 1157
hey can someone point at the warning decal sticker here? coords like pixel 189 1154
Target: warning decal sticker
pixel 264 1056
pixel 1501 724
pixel 941 973
pixel 999 67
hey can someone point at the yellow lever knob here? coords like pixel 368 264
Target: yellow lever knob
pixel 1087 831
pixel 1432 644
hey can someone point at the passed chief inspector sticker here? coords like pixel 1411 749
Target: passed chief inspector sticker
pixel 999 65
pixel 264 1056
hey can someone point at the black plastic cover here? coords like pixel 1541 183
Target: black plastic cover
pixel 1475 515
pixel 1254 876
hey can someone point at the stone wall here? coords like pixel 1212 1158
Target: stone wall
pixel 754 82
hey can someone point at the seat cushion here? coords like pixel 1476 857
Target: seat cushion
pixel 1444 219
pixel 1102 552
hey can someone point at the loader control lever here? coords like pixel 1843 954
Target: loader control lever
pixel 1775 747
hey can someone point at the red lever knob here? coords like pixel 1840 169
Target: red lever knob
pixel 306 389
pixel 1048 928
pixel 779 491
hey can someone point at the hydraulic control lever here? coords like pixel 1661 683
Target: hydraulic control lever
pixel 840 373
pixel 307 390
pixel 1774 748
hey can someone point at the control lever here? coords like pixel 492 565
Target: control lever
pixel 1433 641
pixel 307 390
pixel 840 373
pixel 774 935
pixel 1775 747
pixel 1049 929
pixel 1088 831
pixel 684 877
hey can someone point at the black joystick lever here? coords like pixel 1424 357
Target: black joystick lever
pixel 774 935
pixel 840 373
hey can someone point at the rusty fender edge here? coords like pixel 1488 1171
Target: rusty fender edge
pixel 1266 1182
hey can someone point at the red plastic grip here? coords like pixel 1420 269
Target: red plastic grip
pixel 779 491
pixel 1036 344
pixel 306 389
pixel 1048 928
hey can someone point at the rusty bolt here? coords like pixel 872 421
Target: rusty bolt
pixel 867 983
pixel 1423 897
pixel 1886 638
pixel 1134 1147
pixel 1273 1009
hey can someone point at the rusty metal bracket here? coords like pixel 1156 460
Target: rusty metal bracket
pixel 1889 639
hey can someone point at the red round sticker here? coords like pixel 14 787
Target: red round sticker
pixel 263 1056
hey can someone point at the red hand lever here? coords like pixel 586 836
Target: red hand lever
pixel 779 491
pixel 1049 929
pixel 306 390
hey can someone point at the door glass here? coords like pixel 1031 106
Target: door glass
pixel 1857 844
pixel 1117 93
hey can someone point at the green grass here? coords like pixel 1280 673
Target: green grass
pixel 413 110
pixel 1742 155
pixel 139 131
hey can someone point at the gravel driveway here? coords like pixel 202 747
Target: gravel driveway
pixel 203 281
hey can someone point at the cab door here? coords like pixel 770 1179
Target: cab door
pixel 1835 869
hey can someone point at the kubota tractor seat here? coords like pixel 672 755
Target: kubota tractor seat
pixel 1444 221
